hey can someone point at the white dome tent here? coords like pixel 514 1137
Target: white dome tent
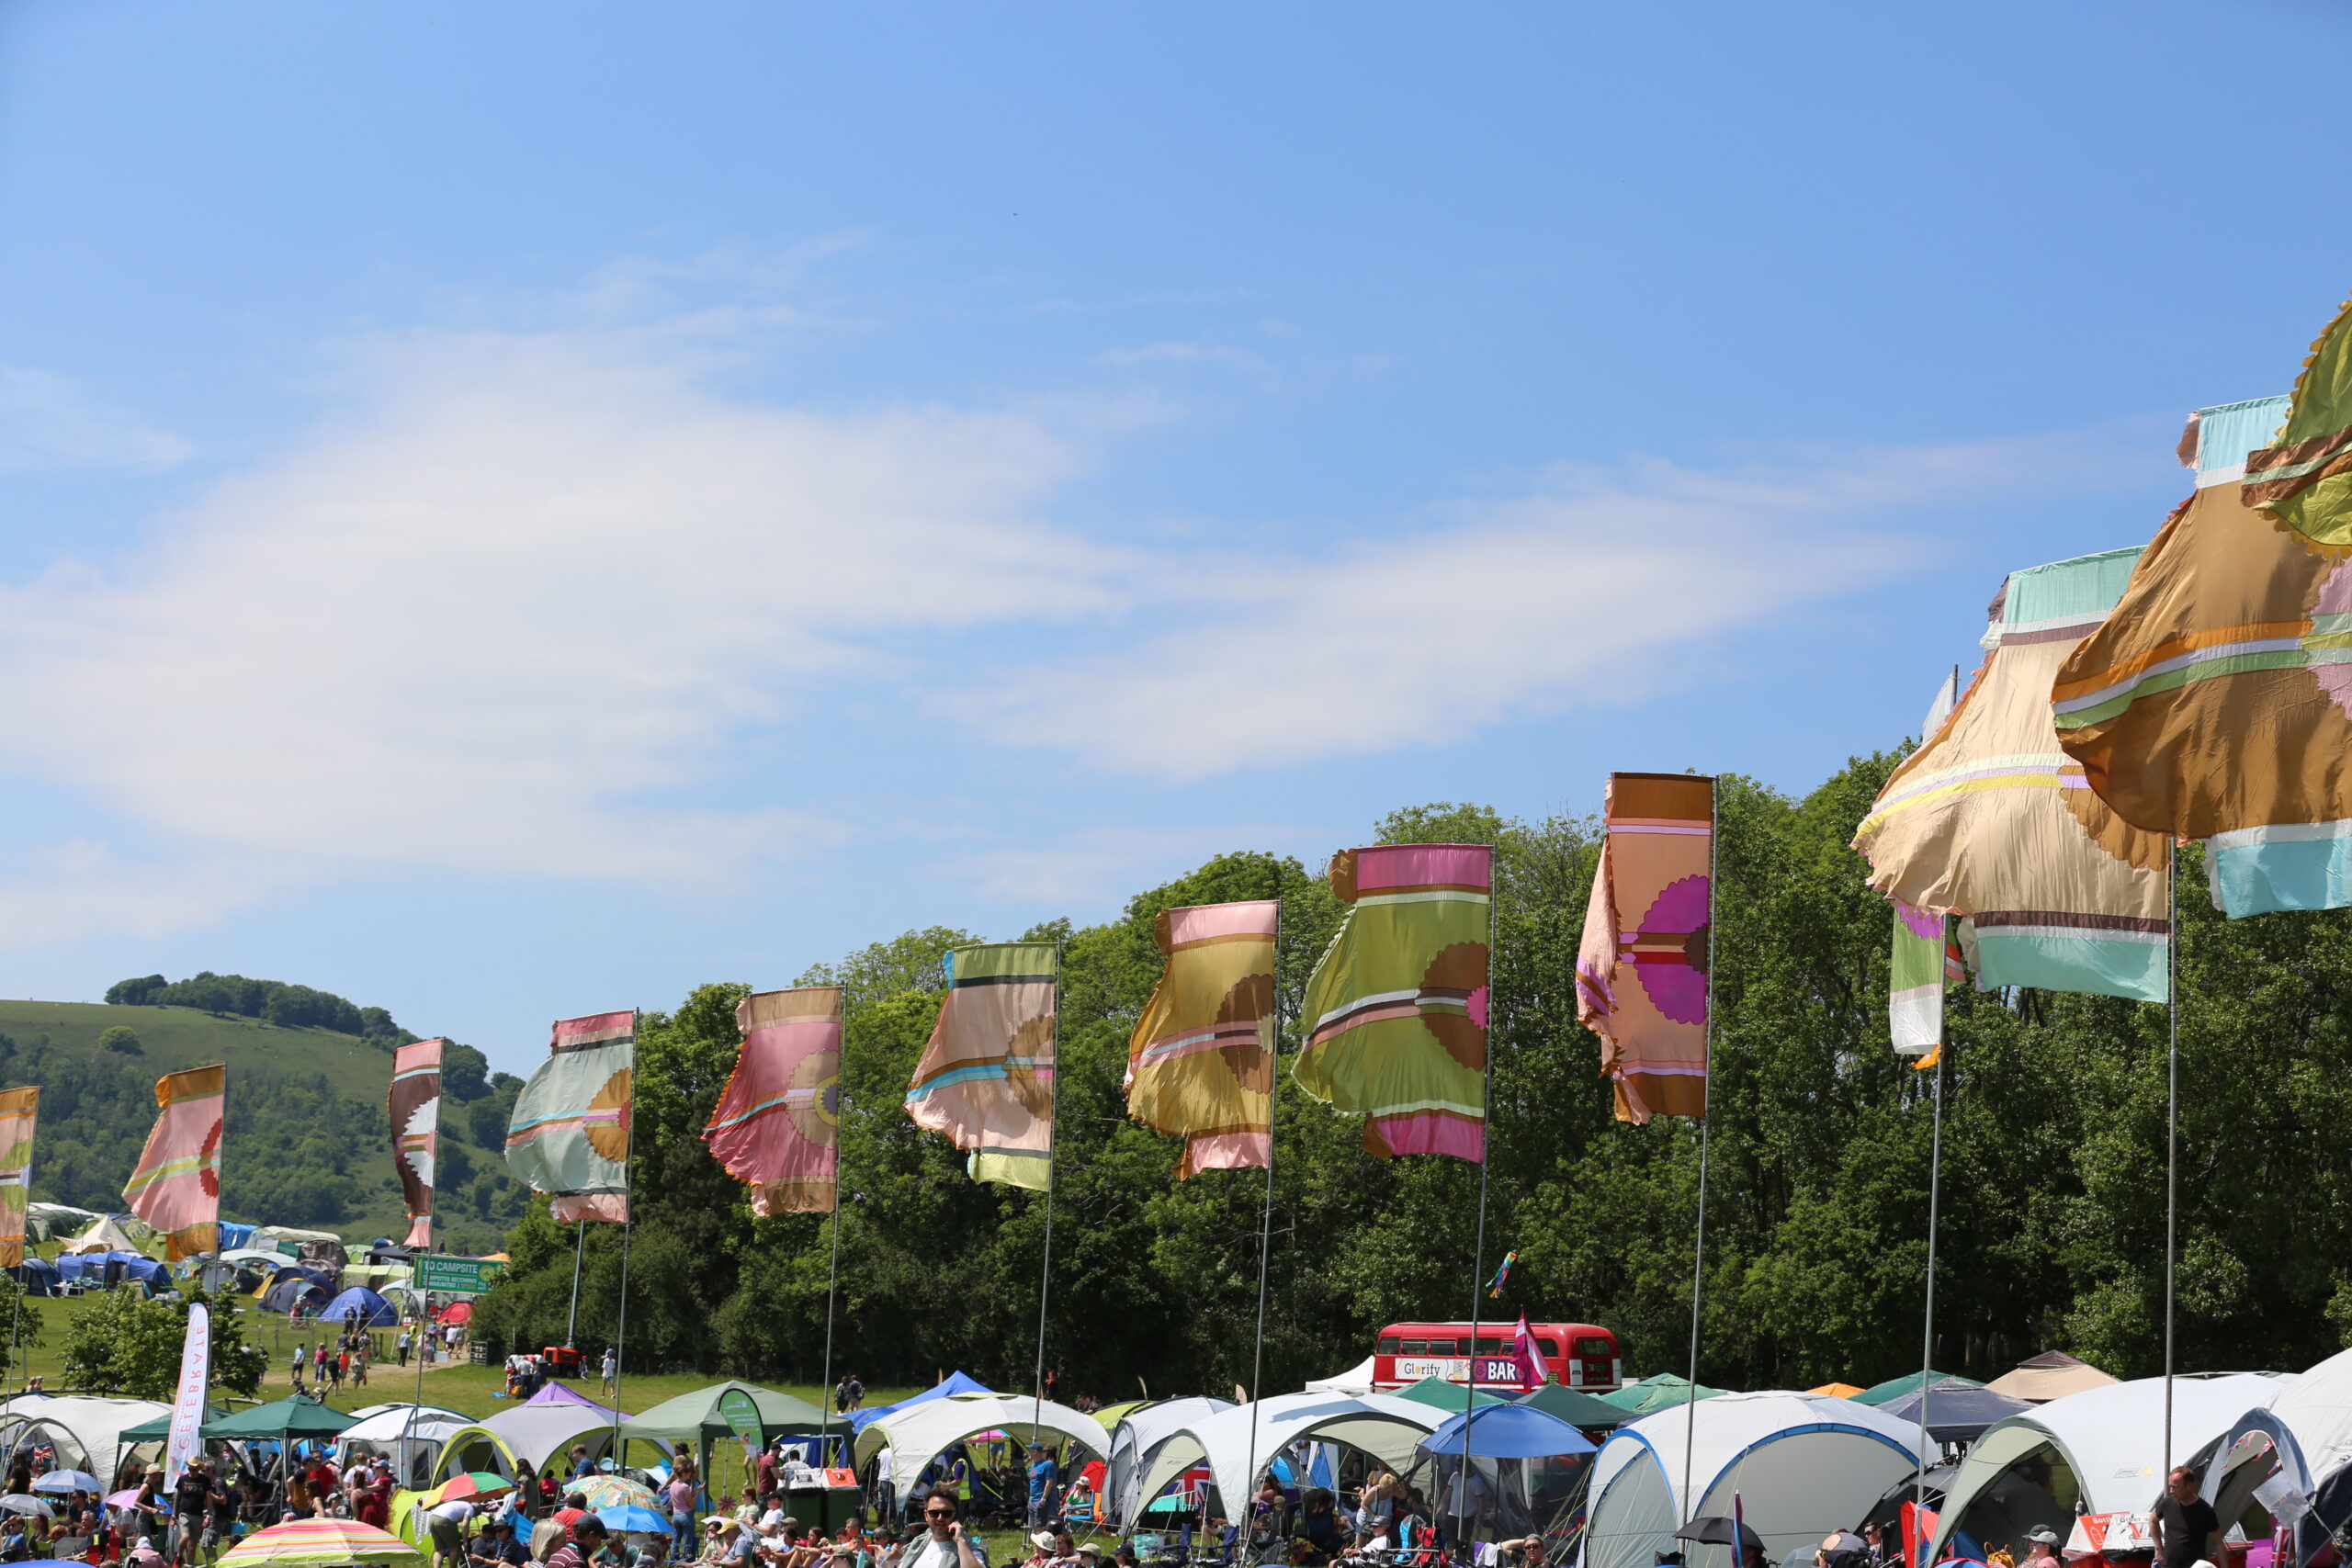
pixel 918 1434
pixel 2099 1451
pixel 2303 1435
pixel 1135 1443
pixel 1381 1425
pixel 1803 1465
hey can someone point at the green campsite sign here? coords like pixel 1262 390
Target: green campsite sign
pixel 456 1276
pixel 742 1414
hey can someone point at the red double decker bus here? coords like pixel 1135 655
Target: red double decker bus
pixel 1581 1355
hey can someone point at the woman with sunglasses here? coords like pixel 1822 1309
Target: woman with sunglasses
pixel 945 1543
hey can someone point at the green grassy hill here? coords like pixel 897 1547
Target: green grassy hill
pixel 308 1142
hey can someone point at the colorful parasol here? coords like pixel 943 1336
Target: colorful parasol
pixel 612 1491
pixel 469 1484
pixel 310 1543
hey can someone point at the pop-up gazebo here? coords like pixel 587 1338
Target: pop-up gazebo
pixel 918 1435
pixel 1381 1425
pixel 703 1416
pixel 1134 1442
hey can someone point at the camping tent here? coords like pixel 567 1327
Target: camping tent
pixel 457 1312
pixel 1575 1409
pixel 1505 1431
pixel 1958 1412
pixel 374 1311
pixel 102 1235
pixel 2099 1451
pixel 918 1434
pixel 533 1432
pixel 1381 1425
pixel 102 1268
pixel 294 1287
pixel 86 1432
pixel 39 1276
pixel 696 1418
pixel 1442 1396
pixel 279 1420
pixel 1837 1390
pixel 1803 1464
pixel 54 1219
pixel 2053 1374
pixel 1663 1392
pixel 953 1383
pixel 1896 1388
pixel 2303 1433
pixel 1355 1380
pixel 1133 1440
pixel 409 1436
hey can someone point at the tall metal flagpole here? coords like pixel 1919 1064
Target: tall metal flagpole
pixel 629 1226
pixel 1478 1247
pixel 579 1246
pixel 1706 1124
pixel 2172 1117
pixel 1265 1211
pixel 833 1283
pixel 1928 1333
pixel 1053 1158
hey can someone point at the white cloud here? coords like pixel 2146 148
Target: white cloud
pixel 1183 354
pixel 47 422
pixel 1602 590
pixel 487 620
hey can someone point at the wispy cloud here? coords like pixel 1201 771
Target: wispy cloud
pixel 1183 354
pixel 48 421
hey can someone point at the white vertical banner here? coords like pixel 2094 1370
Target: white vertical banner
pixel 187 1402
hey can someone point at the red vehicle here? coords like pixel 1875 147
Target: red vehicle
pixel 1581 1355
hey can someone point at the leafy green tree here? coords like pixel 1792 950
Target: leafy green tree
pixel 121 1040
pixel 128 1345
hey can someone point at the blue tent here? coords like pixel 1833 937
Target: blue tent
pixel 39 1276
pixel 954 1382
pixel 119 1266
pixel 286 1292
pixel 375 1312
pixel 234 1236
pixel 1507 1431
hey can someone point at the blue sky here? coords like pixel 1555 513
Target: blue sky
pixel 514 511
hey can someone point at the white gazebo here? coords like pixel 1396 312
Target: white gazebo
pixel 918 1434
pixel 1239 1443
pixel 1136 1440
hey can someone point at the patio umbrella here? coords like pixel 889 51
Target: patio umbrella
pixel 303 1544
pixel 66 1481
pixel 23 1503
pixel 613 1491
pixel 634 1521
pixel 470 1484
pixel 1714 1529
pixel 124 1498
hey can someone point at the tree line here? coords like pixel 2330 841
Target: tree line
pixel 289 1007
pixel 2053 1195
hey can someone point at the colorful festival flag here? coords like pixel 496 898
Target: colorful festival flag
pixel 777 1125
pixel 1530 1371
pixel 570 1133
pixel 415 1106
pixel 1992 820
pixel 1495 1286
pixel 176 1188
pixel 1396 1010
pixel 18 1109
pixel 1915 979
pixel 986 1079
pixel 2216 701
pixel 1201 1061
pixel 1642 967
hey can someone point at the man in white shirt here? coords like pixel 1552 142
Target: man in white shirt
pixel 886 1491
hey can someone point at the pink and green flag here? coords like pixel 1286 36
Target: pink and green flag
pixel 1201 1061
pixel 777 1125
pixel 1396 1012
pixel 18 1109
pixel 1649 930
pixel 570 1134
pixel 986 1079
pixel 176 1188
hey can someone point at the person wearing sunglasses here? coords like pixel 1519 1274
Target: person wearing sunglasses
pixel 945 1543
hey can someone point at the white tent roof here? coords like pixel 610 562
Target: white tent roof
pixel 1355 1380
pixel 93 1425
pixel 2317 1408
pixel 2307 1426
pixel 921 1432
pixel 1137 1438
pixel 2112 1438
pixel 1803 1464
pixel 389 1423
pixel 104 1236
pixel 1380 1424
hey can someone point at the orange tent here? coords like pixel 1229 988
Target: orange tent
pixel 1837 1390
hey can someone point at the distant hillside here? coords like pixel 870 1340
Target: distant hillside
pixel 308 1142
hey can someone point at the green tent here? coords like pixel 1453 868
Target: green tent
pixel 696 1417
pixel 1440 1395
pixel 281 1419
pixel 158 1429
pixel 1896 1388
pixel 1663 1392
pixel 1576 1409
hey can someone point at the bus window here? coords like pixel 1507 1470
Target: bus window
pixel 1489 1347
pixel 1548 1343
pixel 1415 1348
pixel 1388 1345
pixel 1597 1349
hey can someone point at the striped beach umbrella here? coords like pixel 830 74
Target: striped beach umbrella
pixel 314 1544
pixel 612 1491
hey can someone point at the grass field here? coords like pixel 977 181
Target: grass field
pixel 173 1038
